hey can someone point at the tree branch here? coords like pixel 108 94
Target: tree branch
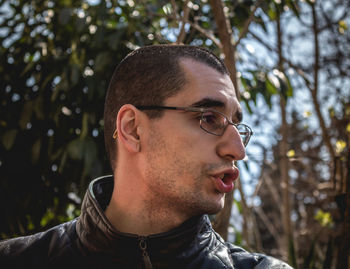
pixel 206 33
pixel 247 23
pixel 314 91
pixel 186 13
pixel 245 213
pixel 269 225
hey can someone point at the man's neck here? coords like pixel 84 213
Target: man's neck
pixel 133 211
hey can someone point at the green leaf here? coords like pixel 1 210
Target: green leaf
pixel 246 165
pixel 9 138
pixel 324 218
pixel 102 59
pixel 39 107
pixel 348 128
pixel 63 161
pixel 340 146
pixel 290 153
pixel 36 151
pixel 65 15
pixel 28 67
pixel 26 114
pixel 239 206
pixel 294 6
pixel 75 74
pixel 272 13
pixel 90 155
pixel 76 148
pixel 271 88
pixel 289 87
pixel 261 22
pixel 30 225
pixel 80 25
pixel 114 39
pixel 246 102
pixel 45 220
pixel 85 125
pixel 244 83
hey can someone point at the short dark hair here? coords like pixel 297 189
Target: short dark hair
pixel 148 76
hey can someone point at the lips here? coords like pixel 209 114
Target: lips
pixel 224 180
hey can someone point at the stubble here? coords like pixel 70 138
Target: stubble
pixel 176 178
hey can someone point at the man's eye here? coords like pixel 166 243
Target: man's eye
pixel 210 118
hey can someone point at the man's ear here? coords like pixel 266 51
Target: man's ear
pixel 128 121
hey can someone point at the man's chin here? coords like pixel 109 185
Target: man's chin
pixel 216 206
pixel 209 205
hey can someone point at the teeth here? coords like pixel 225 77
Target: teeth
pixel 222 176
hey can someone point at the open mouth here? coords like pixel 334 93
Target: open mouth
pixel 224 182
pixel 226 178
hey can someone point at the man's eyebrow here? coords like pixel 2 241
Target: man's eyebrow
pixel 208 102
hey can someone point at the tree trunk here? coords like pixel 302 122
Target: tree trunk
pixel 225 36
pixel 283 161
pixel 222 219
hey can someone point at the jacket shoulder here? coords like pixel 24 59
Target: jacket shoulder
pixel 243 259
pixel 38 248
pixel 215 252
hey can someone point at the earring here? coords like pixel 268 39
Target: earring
pixel 115 134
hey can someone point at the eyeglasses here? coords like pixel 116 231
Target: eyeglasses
pixel 212 121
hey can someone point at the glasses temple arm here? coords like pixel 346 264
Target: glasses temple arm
pixel 156 107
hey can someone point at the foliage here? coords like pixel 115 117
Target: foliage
pixel 324 218
pixel 319 181
pixel 56 61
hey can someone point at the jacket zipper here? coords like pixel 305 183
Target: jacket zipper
pixel 145 257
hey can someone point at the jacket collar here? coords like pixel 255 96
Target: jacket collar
pixel 98 235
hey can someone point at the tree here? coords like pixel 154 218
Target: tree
pixel 56 61
pixel 314 162
pixel 58 56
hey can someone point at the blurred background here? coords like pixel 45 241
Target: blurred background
pixel 288 59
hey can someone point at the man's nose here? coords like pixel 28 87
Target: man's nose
pixel 231 145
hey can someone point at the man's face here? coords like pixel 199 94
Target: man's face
pixel 187 169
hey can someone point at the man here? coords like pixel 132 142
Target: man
pixel 172 133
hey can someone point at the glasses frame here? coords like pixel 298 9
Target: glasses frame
pixel 203 110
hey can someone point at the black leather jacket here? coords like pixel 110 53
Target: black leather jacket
pixel 90 241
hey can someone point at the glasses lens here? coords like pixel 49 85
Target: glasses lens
pixel 213 122
pixel 244 132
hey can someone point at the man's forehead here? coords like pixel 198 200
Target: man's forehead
pixel 207 87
